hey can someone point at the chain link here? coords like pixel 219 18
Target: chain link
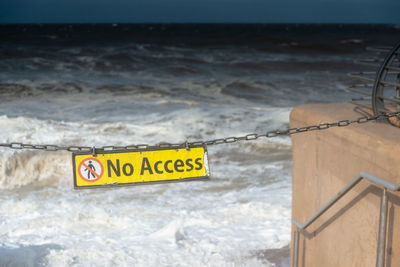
pixel 227 140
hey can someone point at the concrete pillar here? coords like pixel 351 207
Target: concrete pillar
pixel 323 163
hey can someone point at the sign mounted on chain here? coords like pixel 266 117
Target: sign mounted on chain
pixel 131 167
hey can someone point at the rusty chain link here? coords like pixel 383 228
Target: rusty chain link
pixel 227 140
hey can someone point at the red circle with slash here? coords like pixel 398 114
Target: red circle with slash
pixel 90 167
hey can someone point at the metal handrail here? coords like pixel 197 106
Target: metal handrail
pixel 380 259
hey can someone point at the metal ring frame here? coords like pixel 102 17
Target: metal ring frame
pixel 384 78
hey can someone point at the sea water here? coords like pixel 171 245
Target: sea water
pixel 97 85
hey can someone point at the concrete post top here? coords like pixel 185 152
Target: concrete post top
pixel 382 132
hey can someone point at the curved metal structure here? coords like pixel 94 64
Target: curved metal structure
pixel 387 79
pixel 383 81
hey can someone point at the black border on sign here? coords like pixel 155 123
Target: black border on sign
pixel 189 179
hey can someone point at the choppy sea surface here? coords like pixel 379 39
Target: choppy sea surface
pixel 97 85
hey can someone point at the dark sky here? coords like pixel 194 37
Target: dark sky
pixel 204 11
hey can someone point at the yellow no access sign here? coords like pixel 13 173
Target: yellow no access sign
pixel 131 167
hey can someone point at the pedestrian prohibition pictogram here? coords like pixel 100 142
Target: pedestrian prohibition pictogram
pixel 90 169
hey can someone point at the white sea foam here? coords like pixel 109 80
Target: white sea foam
pixel 243 209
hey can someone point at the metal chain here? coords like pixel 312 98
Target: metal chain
pixel 227 140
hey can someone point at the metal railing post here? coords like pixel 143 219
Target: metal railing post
pixel 295 248
pixel 382 232
pixel 380 257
